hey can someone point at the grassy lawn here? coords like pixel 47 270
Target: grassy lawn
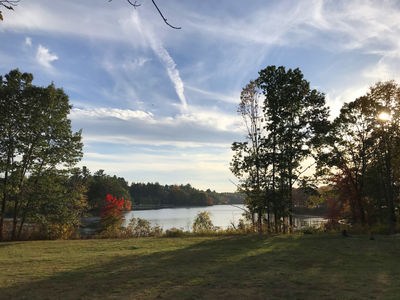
pixel 235 267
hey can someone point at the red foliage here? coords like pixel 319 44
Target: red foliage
pixel 348 201
pixel 113 207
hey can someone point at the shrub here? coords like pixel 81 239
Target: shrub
pixel 175 232
pixel 141 228
pixel 202 223
pixel 60 232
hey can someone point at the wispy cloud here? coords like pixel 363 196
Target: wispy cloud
pixel 171 67
pixel 162 53
pixel 135 64
pixel 175 167
pixel 44 57
pixel 233 98
pixel 141 84
pixel 123 114
pixel 28 41
pixel 111 125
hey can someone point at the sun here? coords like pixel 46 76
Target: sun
pixel 384 116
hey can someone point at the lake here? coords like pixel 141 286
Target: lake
pixel 221 216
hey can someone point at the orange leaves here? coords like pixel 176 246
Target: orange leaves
pixel 111 212
pixel 113 207
pixel 127 205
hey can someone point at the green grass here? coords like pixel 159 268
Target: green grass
pixel 237 267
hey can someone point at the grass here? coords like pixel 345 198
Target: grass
pixel 228 267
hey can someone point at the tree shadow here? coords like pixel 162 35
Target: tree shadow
pixel 254 267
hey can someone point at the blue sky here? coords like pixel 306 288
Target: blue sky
pixel 158 104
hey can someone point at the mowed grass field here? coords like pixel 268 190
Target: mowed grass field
pixel 319 266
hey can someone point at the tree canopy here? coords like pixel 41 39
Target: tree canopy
pixel 362 154
pixel 285 119
pixel 35 139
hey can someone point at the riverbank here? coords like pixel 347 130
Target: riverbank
pixel 320 266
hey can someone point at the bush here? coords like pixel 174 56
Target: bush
pixel 60 232
pixel 310 229
pixel 141 228
pixel 202 223
pixel 175 232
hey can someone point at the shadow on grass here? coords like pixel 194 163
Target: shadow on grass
pixel 255 267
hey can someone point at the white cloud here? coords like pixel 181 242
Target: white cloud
pixel 123 114
pixel 172 167
pixel 28 41
pixel 77 18
pixel 135 64
pixel 233 98
pixel 44 57
pixel 116 139
pixel 170 65
pixel 194 128
pixel 164 56
pixel 336 98
pixel 210 118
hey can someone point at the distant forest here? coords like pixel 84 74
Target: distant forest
pixel 179 195
pixel 148 195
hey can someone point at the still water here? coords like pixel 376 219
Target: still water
pixel 221 216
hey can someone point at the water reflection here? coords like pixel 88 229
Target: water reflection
pixel 221 215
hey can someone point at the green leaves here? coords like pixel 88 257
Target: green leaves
pixel 286 122
pixel 35 135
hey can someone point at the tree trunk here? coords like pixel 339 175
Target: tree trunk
pixel 290 200
pixel 3 203
pixel 389 192
pixel 15 220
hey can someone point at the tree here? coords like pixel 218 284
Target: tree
pixel 55 202
pixel 35 137
pixel 386 97
pixel 296 119
pixel 362 148
pixel 101 184
pixel 111 213
pixel 293 119
pixel 247 160
pixel 202 222
pixel 349 151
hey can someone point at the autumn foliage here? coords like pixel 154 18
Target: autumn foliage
pixel 111 213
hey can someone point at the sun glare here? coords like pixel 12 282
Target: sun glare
pixel 384 116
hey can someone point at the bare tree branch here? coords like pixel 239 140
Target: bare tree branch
pixel 136 5
pixel 162 16
pixel 8 4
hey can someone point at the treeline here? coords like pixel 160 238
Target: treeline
pixel 357 154
pixel 154 194
pixel 55 201
pixel 147 195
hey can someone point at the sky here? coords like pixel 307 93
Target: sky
pixel 157 104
